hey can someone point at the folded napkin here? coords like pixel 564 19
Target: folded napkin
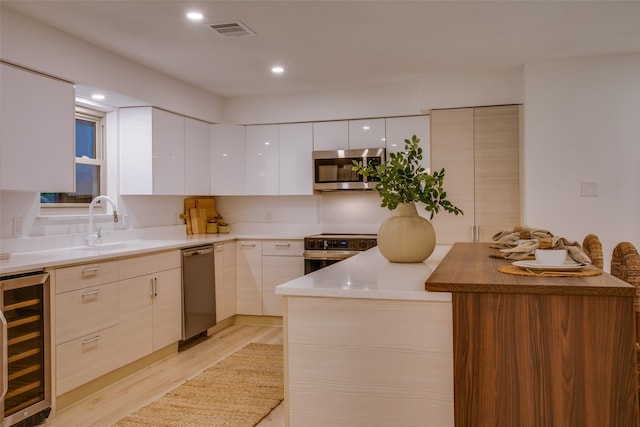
pixel 527 248
pixel 509 238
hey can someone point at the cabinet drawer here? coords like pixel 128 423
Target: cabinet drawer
pixel 283 247
pixel 87 310
pixel 85 275
pixel 86 358
pixel 148 264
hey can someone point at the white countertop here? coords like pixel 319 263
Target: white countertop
pixel 35 260
pixel 369 275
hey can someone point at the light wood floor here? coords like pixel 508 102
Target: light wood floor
pixel 118 400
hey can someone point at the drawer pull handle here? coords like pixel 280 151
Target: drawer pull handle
pixel 90 270
pixel 251 244
pixel 90 293
pixel 90 340
pixel 285 244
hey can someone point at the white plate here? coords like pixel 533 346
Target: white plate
pixel 533 265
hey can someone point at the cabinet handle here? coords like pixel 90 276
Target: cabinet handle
pixel 5 356
pixel 249 244
pixel 90 293
pixel 155 286
pixel 285 244
pixel 218 246
pixel 90 340
pixel 90 270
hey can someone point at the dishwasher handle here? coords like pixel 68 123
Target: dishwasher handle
pixel 197 251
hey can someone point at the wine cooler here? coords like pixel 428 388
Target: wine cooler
pixel 26 389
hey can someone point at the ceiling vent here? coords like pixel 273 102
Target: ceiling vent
pixel 232 29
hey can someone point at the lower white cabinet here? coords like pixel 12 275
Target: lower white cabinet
pixel 249 277
pixel 111 313
pixel 260 267
pixel 225 276
pixel 281 261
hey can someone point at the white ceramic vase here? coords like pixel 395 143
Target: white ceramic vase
pixel 406 236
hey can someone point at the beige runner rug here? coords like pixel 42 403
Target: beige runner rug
pixel 239 391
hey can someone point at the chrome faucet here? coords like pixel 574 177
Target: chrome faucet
pixel 92 235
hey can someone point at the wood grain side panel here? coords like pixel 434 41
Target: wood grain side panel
pixel 539 360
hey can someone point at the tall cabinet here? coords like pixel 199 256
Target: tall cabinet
pixel 480 151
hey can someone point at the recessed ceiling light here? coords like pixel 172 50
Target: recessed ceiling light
pixel 277 69
pixel 366 128
pixel 97 96
pixel 195 16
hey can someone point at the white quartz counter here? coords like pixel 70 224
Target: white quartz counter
pixel 40 259
pixel 370 275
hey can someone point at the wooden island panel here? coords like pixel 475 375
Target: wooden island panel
pixel 531 351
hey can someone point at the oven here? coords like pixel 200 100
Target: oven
pixel 322 250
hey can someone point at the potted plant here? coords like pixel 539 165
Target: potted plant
pixel 402 182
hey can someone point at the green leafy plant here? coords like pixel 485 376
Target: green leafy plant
pixel 401 179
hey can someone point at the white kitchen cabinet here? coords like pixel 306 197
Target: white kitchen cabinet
pixel 479 149
pixel 249 277
pixel 197 157
pixel 331 135
pixel 400 128
pixel 152 154
pixel 282 261
pixel 366 133
pixel 86 323
pixel 150 299
pixel 228 160
pixel 37 128
pixel 263 160
pixel 296 166
pixel 225 279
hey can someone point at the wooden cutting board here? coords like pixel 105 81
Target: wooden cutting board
pixel 197 212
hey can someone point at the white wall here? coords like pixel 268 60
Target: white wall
pixel 582 124
pixel 433 91
pixel 31 44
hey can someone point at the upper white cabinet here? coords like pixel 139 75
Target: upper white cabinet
pixel 162 153
pixel 401 128
pixel 296 146
pixel 366 133
pixel 228 160
pixel 331 135
pixel 37 132
pixel 263 160
pixel 349 134
pixel 197 148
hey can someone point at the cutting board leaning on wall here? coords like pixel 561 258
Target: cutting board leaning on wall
pixel 197 212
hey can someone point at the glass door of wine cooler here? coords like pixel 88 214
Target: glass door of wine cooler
pixel 24 302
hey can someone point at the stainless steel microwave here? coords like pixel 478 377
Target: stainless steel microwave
pixel 332 170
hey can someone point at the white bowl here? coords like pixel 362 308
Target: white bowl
pixel 551 256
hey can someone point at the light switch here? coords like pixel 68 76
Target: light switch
pixel 589 189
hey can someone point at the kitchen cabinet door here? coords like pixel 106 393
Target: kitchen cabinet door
pixel 452 148
pixel 263 160
pixel 366 133
pixel 296 163
pixel 167 308
pixel 225 273
pixel 151 152
pixel 197 157
pixel 135 328
pixel 249 277
pixel 37 128
pixel 400 128
pixel 228 160
pixel 331 135
pixel 479 149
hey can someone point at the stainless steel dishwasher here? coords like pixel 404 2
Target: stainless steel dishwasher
pixel 198 291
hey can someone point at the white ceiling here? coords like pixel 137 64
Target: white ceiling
pixel 327 45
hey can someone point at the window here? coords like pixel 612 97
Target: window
pixel 89 162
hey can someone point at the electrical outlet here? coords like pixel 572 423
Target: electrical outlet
pixel 268 217
pixel 17 226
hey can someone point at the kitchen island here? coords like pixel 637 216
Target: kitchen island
pixel 366 344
